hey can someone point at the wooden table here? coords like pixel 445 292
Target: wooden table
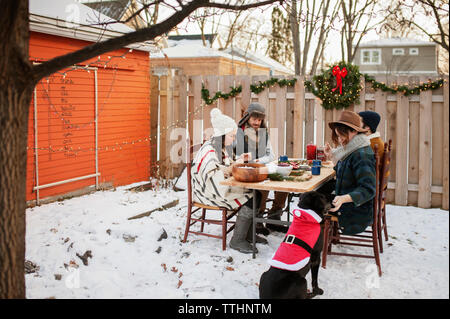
pixel 326 173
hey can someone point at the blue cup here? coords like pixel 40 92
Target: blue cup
pixel 315 170
pixel 316 163
pixel 283 158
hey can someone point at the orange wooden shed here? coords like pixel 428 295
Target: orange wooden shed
pixel 89 125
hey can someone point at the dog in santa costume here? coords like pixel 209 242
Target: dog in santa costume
pixel 299 252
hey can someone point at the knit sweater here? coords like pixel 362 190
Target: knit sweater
pixel 207 172
pixel 255 142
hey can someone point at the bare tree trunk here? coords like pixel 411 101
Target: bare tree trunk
pixel 17 80
pixel 295 36
pixel 15 96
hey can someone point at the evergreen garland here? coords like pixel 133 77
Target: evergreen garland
pixel 322 85
pixel 404 88
pixel 261 86
pixel 205 94
pixel 254 88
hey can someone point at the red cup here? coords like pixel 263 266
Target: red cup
pixel 311 151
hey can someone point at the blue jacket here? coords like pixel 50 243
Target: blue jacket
pixel 355 175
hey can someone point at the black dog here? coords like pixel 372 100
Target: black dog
pixel 278 283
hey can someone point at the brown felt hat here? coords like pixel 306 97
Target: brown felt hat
pixel 351 119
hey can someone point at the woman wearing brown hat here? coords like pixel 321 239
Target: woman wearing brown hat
pixel 355 184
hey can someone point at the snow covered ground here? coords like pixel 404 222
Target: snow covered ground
pixel 128 261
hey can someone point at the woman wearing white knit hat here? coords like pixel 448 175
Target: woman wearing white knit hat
pixel 212 164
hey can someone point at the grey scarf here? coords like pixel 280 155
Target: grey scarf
pixel 357 142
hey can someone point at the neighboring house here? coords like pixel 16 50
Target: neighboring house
pixel 119 10
pixel 187 55
pixel 205 39
pixel 275 68
pixel 70 149
pixel 397 56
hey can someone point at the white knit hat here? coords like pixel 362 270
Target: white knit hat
pixel 221 123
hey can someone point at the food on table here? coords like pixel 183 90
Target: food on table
pixel 275 177
pixel 284 164
pixel 284 170
pixel 306 176
pixel 297 173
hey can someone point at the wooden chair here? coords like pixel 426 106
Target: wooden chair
pixel 384 176
pixel 369 238
pixel 194 207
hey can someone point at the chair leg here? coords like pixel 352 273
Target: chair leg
pixel 326 231
pixel 335 233
pixel 224 229
pixel 379 231
pixel 384 224
pixel 375 250
pixel 188 223
pixel 203 218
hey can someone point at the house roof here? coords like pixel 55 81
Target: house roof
pixel 71 19
pixel 114 9
pixel 192 37
pixel 263 60
pixel 192 47
pixel 187 49
pixel 395 42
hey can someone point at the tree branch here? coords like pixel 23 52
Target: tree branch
pixel 46 68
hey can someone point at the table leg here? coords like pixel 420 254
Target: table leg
pixel 254 224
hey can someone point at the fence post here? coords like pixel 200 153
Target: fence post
pixel 401 152
pixel 244 98
pixel 445 151
pixel 299 114
pixel 319 115
pixel 381 108
pixel 154 94
pixel 362 96
pixel 195 115
pixel 210 82
pixel 225 84
pixel 280 106
pixel 425 127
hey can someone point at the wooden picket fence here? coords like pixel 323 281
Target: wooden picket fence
pixel 418 126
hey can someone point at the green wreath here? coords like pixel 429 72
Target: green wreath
pixel 323 84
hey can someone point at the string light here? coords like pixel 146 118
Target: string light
pixel 112 147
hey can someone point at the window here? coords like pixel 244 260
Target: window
pixel 371 56
pixel 397 51
pixel 413 51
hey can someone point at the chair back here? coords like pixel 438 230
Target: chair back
pixel 384 170
pixel 190 157
pixel 377 187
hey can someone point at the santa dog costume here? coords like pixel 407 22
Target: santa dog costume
pixel 295 250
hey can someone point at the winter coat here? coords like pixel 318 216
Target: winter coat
pixel 355 175
pixel 206 175
pixel 246 137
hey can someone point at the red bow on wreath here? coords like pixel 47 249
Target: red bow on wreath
pixel 339 74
